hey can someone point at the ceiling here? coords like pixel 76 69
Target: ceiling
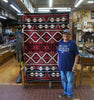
pixel 56 3
pixel 43 4
pixel 7 7
pixel 59 3
pixel 12 18
pixel 86 5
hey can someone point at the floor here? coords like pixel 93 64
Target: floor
pixel 88 77
pixel 17 92
pixel 9 72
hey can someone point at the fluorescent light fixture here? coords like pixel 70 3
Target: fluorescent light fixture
pixel 5 1
pixel 50 3
pixel 90 1
pixel 20 14
pixel 58 9
pixel 78 3
pixel 62 10
pixel 53 8
pixel 15 8
pixel 43 10
pixel 3 17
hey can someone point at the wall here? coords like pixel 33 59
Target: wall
pixel 88 19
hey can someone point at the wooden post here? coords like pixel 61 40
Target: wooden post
pixel 49 84
pixel 22 72
pixel 23 81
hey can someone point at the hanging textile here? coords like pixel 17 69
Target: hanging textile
pixel 42 32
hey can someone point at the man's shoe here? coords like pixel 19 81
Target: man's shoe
pixel 72 98
pixel 62 95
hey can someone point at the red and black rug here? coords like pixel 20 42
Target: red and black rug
pixel 42 32
pixel 16 92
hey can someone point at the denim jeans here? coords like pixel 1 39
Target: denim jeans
pixel 18 51
pixel 68 78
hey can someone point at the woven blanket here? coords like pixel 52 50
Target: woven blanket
pixel 42 32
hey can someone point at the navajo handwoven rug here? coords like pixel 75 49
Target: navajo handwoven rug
pixel 42 32
pixel 16 92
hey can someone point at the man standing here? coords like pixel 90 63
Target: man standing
pixel 19 44
pixel 68 58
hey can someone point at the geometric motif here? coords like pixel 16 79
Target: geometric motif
pixel 51 19
pixel 63 19
pixel 28 19
pixel 40 19
pixel 29 26
pixel 52 26
pixel 35 37
pixel 63 25
pixel 42 32
pixel 46 26
pixel 32 67
pixel 47 57
pixel 46 36
pixel 57 36
pixel 25 37
pixel 57 19
pixel 35 57
pixel 34 20
pixel 40 26
pixel 55 57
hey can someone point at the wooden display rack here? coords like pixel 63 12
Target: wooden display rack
pixel 86 62
pixel 77 78
pixel 6 56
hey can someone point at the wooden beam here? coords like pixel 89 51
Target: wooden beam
pixel 23 6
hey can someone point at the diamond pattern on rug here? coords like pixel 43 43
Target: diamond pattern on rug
pixel 36 57
pixel 46 36
pixel 35 37
pixel 47 57
pixel 57 36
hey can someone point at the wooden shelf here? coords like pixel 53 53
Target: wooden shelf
pixel 6 56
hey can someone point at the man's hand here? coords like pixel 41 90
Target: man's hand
pixel 74 68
